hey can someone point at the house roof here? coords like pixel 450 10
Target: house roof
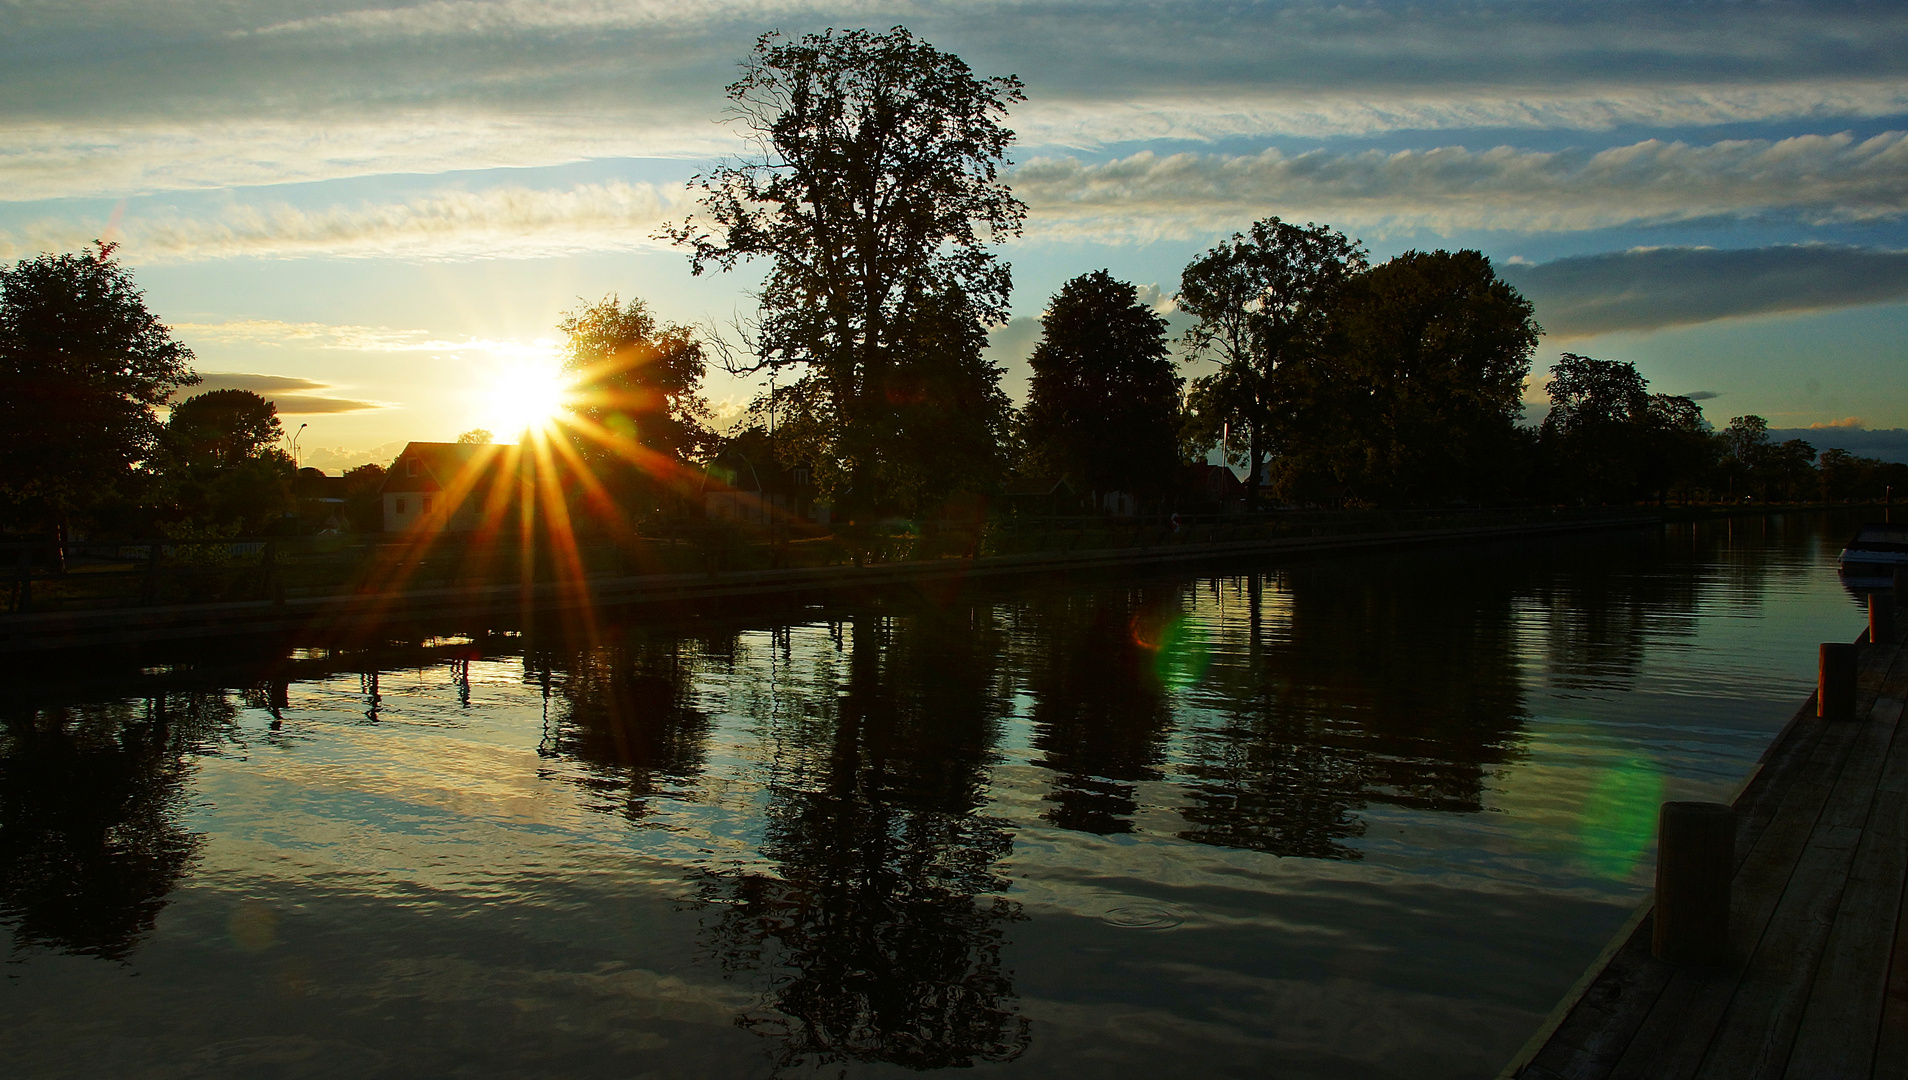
pixel 1037 485
pixel 439 465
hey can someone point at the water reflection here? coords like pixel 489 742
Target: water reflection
pixel 1100 711
pixel 873 935
pixel 810 826
pixel 628 716
pixel 90 803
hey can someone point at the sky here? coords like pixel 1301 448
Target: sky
pixel 376 214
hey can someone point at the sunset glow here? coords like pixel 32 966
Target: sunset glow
pixel 522 393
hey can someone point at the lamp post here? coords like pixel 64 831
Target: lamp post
pixel 295 434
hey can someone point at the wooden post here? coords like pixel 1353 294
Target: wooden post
pixel 1881 618
pixel 1835 681
pixel 1695 862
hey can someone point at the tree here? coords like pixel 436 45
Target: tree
pixel 874 186
pixel 1418 395
pixel 221 468
pixel 943 431
pixel 83 364
pixel 1262 302
pixel 1678 452
pixel 635 382
pixel 1598 408
pixel 222 427
pixel 477 437
pixel 1104 401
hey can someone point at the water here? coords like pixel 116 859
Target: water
pixel 1347 817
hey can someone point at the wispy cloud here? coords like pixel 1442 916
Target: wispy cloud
pixel 1651 288
pixel 516 222
pixel 1816 178
pixel 1812 179
pixel 292 396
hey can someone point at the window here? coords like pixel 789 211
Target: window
pixel 410 466
pixel 400 508
pixel 800 476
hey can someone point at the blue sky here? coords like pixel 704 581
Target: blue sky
pixel 372 212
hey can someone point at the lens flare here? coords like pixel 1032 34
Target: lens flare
pixel 1618 820
pixel 1177 644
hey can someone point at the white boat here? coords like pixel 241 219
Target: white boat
pixel 1871 557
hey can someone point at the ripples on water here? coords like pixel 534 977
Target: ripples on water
pixel 1356 817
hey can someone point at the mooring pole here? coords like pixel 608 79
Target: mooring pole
pixel 1835 681
pixel 1695 862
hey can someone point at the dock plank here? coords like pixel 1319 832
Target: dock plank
pixel 1819 983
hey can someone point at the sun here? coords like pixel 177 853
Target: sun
pixel 523 393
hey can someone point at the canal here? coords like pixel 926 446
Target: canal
pixel 1328 817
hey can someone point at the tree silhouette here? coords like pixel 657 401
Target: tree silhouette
pixel 83 365
pixel 874 186
pixel 1263 301
pixel 1103 406
pixel 1418 398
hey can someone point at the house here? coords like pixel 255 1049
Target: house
pixel 447 487
pixel 1210 487
pixel 755 490
pixel 1050 495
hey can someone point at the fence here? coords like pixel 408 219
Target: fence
pixel 82 575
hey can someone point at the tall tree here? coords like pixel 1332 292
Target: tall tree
pixel 1104 401
pixel 635 383
pixel 1262 301
pixel 1419 396
pixel 874 184
pixel 945 424
pixel 1590 436
pixel 83 364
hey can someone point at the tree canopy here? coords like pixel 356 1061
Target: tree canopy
pixel 1104 402
pixel 1418 396
pixel 634 382
pixel 83 365
pixel 874 189
pixel 222 427
pixel 1263 301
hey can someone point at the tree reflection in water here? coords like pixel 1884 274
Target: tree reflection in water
pixel 1100 713
pixel 875 935
pixel 90 805
pixel 628 715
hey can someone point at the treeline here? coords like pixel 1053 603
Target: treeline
pixel 876 199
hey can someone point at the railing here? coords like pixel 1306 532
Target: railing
pixel 43 575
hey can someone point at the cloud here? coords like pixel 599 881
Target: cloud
pixel 199 94
pixel 1330 112
pixel 512 221
pixel 291 395
pixel 1817 178
pixel 1651 288
pixel 1844 422
pixel 1702 395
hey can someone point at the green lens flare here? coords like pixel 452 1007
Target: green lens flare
pixel 1618 820
pixel 1182 655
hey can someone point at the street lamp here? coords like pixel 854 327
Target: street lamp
pixel 295 434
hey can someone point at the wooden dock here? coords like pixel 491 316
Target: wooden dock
pixel 1817 984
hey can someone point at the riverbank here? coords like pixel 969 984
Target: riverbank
pixel 357 614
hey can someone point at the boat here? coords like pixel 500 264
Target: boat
pixel 1871 557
